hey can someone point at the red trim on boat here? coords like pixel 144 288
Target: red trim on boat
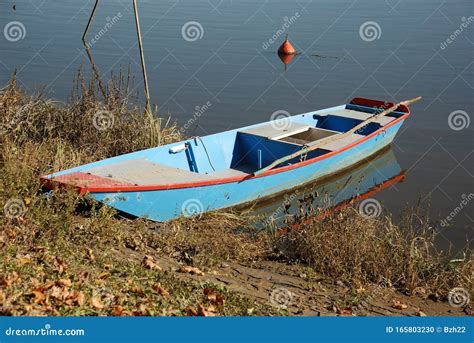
pixel 52 183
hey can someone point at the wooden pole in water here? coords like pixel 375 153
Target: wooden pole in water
pixel 140 45
pixel 142 57
pixel 89 22
pixel 326 140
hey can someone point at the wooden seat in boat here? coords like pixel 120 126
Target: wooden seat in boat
pixel 275 132
pixel 339 143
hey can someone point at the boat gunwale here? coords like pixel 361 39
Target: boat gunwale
pixel 51 183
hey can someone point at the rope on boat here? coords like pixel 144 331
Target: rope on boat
pixel 205 150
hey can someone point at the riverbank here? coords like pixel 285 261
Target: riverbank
pixel 62 255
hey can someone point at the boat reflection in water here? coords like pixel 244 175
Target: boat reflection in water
pixel 325 196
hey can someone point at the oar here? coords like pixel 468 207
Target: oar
pixel 317 144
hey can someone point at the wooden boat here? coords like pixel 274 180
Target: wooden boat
pixel 238 166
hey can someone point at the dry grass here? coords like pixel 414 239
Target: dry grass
pixel 359 251
pixel 65 256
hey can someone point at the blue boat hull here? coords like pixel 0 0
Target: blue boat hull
pixel 166 204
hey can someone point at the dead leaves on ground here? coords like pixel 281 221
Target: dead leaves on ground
pixel 8 280
pixel 64 282
pixel 208 311
pixel 97 303
pixel 190 270
pixel 118 311
pixel 39 297
pixel 150 263
pixel 160 290
pixel 346 311
pixel 398 305
pixel 214 297
pixel 57 293
pixel 214 301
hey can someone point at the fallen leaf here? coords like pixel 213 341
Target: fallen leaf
pixel 163 292
pixel 149 263
pixel 398 305
pixel 220 300
pixel 80 299
pixel 95 302
pixel 347 311
pixel 210 311
pixel 210 294
pixel 64 282
pixel 142 310
pixel 56 292
pixel 190 270
pixel 420 313
pixel 191 311
pixel 213 296
pixel 39 296
pixel 117 310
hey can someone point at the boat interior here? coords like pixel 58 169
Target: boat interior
pixel 233 153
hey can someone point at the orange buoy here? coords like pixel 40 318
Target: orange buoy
pixel 286 48
pixel 285 58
